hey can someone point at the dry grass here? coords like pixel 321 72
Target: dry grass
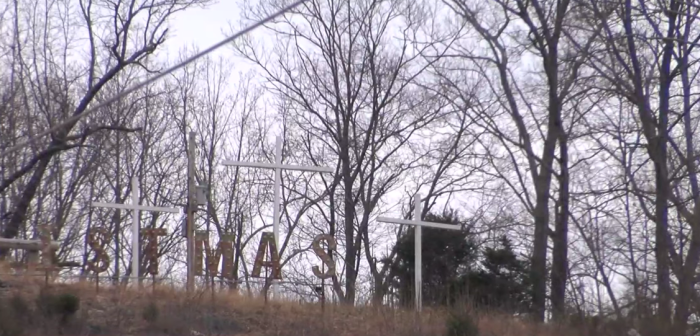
pixel 126 311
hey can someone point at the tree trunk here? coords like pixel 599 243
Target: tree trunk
pixel 350 252
pixel 560 261
pixel 538 270
pixel 665 292
pixel 19 215
pixel 543 183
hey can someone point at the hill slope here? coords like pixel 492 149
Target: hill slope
pixel 36 309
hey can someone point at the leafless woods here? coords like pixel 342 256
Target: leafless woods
pixel 567 125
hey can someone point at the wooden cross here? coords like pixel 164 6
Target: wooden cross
pixel 277 166
pixel 136 208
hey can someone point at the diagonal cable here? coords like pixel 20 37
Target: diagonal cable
pixel 151 80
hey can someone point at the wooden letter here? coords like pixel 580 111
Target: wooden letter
pixel 223 249
pixel 44 244
pixel 151 250
pixel 48 256
pixel 325 258
pixel 267 242
pixel 98 238
pixel 199 238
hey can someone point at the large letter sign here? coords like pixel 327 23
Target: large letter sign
pixel 325 258
pixel 151 248
pixel 267 242
pixel 98 238
pixel 224 250
pixel 48 251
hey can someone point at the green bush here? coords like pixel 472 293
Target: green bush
pixel 67 304
pixel 150 313
pixel 461 324
pixel 63 305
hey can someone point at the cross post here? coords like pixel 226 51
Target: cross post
pixel 136 208
pixel 277 166
pixel 419 224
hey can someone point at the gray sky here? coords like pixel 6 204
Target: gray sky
pixel 202 27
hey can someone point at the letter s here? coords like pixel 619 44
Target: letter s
pixel 325 258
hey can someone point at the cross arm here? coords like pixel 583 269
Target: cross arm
pixel 419 223
pixel 35 244
pixel 273 166
pixel 135 207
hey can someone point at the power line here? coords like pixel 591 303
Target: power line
pixel 162 74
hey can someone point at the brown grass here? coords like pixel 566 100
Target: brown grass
pixel 120 311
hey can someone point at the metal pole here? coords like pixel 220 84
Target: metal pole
pixel 419 253
pixel 135 195
pixel 323 288
pixel 190 211
pixel 276 202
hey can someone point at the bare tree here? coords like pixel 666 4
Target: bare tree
pixel 521 121
pixel 122 34
pixel 648 62
pixel 354 102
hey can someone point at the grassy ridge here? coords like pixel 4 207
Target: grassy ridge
pixel 167 311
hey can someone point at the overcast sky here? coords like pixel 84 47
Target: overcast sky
pixel 202 27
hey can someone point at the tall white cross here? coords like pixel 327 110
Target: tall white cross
pixel 136 208
pixel 419 224
pixel 277 166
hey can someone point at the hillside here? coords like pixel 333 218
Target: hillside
pixel 28 308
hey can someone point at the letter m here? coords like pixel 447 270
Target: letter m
pixel 224 250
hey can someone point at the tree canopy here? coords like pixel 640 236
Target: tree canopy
pixel 456 269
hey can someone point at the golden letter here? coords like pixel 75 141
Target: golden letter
pixel 199 238
pixel 151 250
pixel 267 242
pixel 48 256
pixel 223 249
pixel 325 258
pixel 98 238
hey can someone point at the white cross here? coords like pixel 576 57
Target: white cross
pixel 418 281
pixel 277 166
pixel 136 207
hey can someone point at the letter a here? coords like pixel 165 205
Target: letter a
pixel 267 242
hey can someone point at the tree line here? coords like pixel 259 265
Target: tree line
pixel 564 131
